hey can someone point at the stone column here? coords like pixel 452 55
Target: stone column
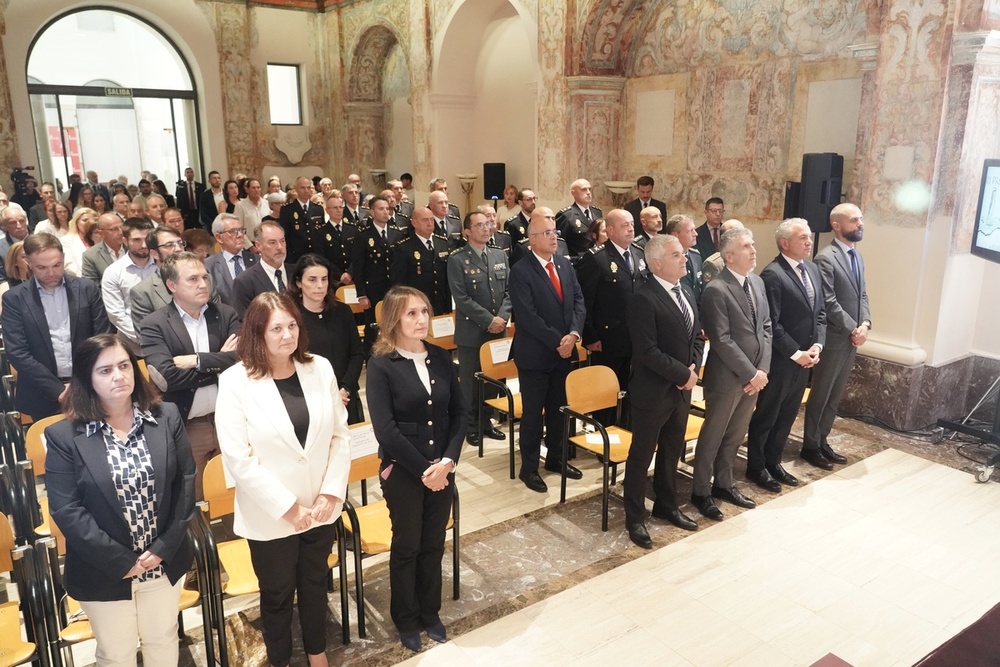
pixel 233 36
pixel 595 132
pixel 366 137
pixel 553 101
pixel 8 139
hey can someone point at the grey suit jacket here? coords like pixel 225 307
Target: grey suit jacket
pixel 846 299
pixel 152 294
pixel 219 272
pixel 95 261
pixel 737 348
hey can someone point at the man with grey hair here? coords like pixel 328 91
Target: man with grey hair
pixel 441 185
pixel 665 329
pixel 713 264
pixel 233 259
pixel 798 323
pixel 682 226
pixel 446 224
pixel 498 237
pixel 737 322
pixel 37 212
pixel 353 211
pixel 14 222
pixel 156 205
pixel 403 208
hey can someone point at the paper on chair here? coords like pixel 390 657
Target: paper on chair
pixel 350 295
pixel 443 326
pixel 596 439
pixel 500 350
pixel 363 441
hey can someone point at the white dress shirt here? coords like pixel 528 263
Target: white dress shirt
pixel 118 280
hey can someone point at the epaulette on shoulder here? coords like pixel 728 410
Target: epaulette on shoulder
pixel 500 231
pixel 695 251
pixel 596 249
pixel 563 210
pixel 511 218
pixel 453 217
pixel 600 213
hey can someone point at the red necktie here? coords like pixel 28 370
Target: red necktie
pixel 555 279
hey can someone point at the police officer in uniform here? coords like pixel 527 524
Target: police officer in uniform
pixel 301 219
pixel 335 238
pixel 420 260
pixel 370 259
pixel 517 226
pixel 574 221
pixel 609 274
pixel 477 274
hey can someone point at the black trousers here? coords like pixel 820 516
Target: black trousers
pixel 777 407
pixel 660 431
pixel 419 517
pixel 297 563
pixel 542 389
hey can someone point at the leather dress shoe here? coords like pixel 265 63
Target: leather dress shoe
pixel 764 480
pixel 640 536
pixel 830 455
pixel 493 433
pixel 437 632
pixel 783 476
pixel 474 439
pixel 732 495
pixel 572 472
pixel 676 517
pixel 817 459
pixel 533 481
pixel 707 507
pixel 410 640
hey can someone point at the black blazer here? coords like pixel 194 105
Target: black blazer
pixel 543 320
pixel 299 226
pixel 661 341
pixel 693 277
pixel 795 325
pixel 412 428
pixel 252 282
pixel 635 207
pixel 704 243
pixel 370 258
pixel 85 506
pixel 207 208
pixel 29 342
pixel 181 195
pixel 607 289
pixel 163 336
pixel 413 264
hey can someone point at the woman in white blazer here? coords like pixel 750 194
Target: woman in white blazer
pixel 285 443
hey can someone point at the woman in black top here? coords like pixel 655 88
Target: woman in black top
pixel 332 330
pixel 417 412
pixel 230 197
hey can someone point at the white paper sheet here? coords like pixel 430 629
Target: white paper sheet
pixel 363 441
pixel 596 439
pixel 351 295
pixel 443 326
pixel 500 350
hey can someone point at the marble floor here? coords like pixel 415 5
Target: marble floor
pixel 877 563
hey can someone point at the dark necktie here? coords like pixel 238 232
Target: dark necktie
pixel 715 237
pixel 281 283
pixel 382 233
pixel 237 264
pixel 192 202
pixel 682 304
pixel 430 246
pixel 854 267
pixel 810 293
pixel 586 214
pixel 486 262
pixel 555 279
pixel 753 311
pixel 628 261
pixel 441 228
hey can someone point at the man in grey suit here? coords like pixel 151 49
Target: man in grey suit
pixel 477 274
pixel 232 260
pixel 738 325
pixel 104 254
pixel 848 320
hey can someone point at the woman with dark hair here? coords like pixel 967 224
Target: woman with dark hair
pixel 230 197
pixel 597 233
pixel 333 333
pixel 161 188
pixel 57 223
pixel 101 205
pixel 284 439
pixel 73 198
pixel 416 411
pixel 120 480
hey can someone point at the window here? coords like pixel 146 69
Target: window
pixel 283 94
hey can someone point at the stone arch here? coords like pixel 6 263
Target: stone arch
pixel 608 34
pixel 368 63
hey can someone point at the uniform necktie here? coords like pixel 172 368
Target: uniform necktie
pixel 753 311
pixel 555 279
pixel 430 246
pixel 854 267
pixel 683 305
pixel 810 292
pixel 586 214
pixel 281 283
pixel 486 262
pixel 628 261
pixel 383 235
pixel 237 265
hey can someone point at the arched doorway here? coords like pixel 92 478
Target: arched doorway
pixel 111 94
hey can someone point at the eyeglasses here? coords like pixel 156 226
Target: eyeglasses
pixel 179 245
pixel 547 233
pixel 239 231
pixel 481 225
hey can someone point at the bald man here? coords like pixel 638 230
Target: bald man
pixel 573 222
pixel 713 264
pixel 650 224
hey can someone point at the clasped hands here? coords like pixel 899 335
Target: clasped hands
pixel 758 382
pixel 435 477
pixel 302 517
pixel 566 345
pixel 146 561
pixel 860 335
pixel 809 358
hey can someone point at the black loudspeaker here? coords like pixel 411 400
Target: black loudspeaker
pixel 822 177
pixel 792 204
pixel 494 180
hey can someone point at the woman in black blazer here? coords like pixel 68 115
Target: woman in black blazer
pixel 416 410
pixel 120 479
pixel 333 333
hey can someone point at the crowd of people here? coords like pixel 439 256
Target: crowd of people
pixel 228 293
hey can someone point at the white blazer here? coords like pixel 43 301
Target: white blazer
pixel 271 470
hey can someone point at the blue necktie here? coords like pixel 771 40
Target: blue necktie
pixel 854 267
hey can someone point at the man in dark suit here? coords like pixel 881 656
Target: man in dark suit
pixel 300 219
pixel 737 322
pixel 798 323
pixel 644 186
pixel 371 257
pixel 227 264
pixel 335 239
pixel 609 275
pixel 477 277
pixel 44 319
pixel 710 232
pixel 650 224
pixel 666 334
pixel 682 226
pixel 37 212
pixel 517 226
pixel 208 201
pixel 186 345
pixel 848 319
pixel 269 274
pixel 188 195
pixel 573 222
pixel 98 187
pixel 353 210
pixel 549 310
pixel 421 260
pixel 446 224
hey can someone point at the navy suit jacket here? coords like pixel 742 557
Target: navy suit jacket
pixel 252 282
pixel 216 265
pixel 795 325
pixel 85 505
pixel 541 318
pixel 29 341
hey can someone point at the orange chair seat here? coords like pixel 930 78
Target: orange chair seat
pixel 619 452
pixel 375 528
pixel 693 427
pixel 235 558
pixel 500 405
pixel 13 650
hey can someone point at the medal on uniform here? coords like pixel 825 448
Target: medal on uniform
pixel 329 238
pixel 416 255
pixel 371 242
pixel 614 268
pixel 578 223
pixel 295 215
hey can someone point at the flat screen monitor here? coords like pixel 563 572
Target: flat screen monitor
pixel 986 236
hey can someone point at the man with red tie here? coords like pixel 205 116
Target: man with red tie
pixel 549 311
